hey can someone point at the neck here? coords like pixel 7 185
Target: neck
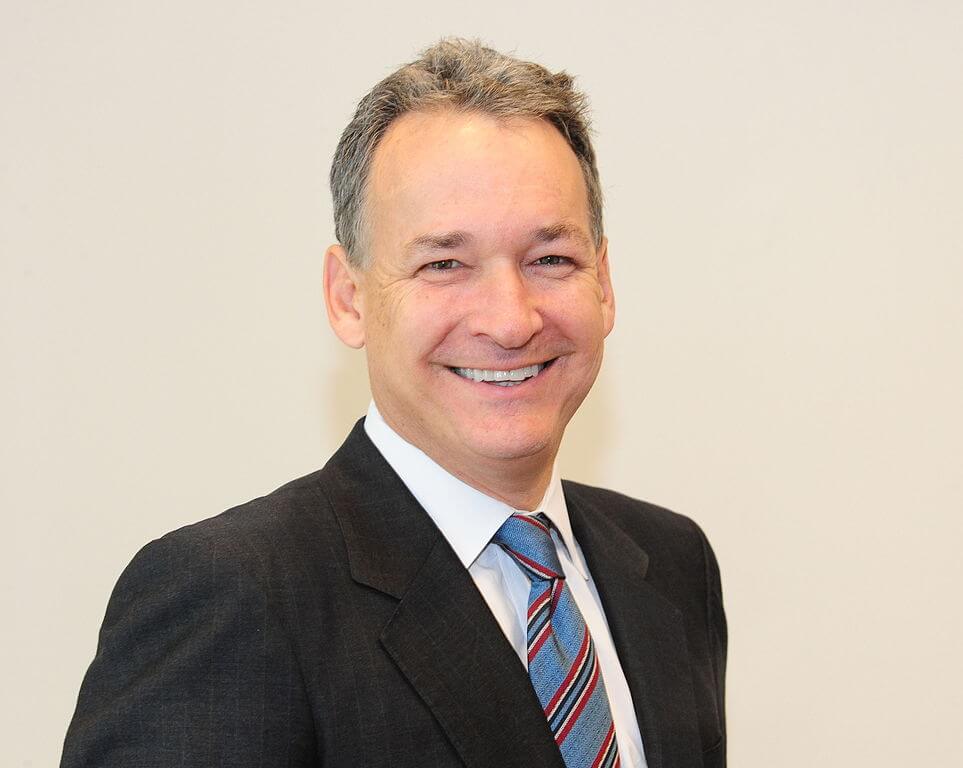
pixel 520 482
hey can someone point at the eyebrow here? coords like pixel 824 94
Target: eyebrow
pixel 442 241
pixel 562 231
pixel 447 241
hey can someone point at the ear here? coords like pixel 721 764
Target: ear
pixel 605 283
pixel 343 297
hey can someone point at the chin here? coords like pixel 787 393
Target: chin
pixel 513 442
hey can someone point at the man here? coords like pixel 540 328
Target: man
pixel 434 596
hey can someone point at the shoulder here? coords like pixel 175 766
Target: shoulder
pixel 195 623
pixel 676 548
pixel 631 514
pixel 255 541
pixel 292 506
pixel 281 544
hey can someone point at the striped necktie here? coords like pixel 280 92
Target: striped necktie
pixel 561 655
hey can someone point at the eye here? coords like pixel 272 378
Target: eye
pixel 553 261
pixel 443 265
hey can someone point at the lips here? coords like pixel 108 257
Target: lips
pixel 502 377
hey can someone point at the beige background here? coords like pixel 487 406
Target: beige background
pixel 785 189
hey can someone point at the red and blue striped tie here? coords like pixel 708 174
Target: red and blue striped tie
pixel 561 655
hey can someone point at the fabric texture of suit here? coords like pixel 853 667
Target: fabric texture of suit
pixel 329 623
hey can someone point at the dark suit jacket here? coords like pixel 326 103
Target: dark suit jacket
pixel 329 623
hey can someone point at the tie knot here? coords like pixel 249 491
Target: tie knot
pixel 528 539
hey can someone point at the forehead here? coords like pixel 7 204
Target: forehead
pixel 454 170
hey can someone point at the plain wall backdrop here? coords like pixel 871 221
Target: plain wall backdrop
pixel 784 186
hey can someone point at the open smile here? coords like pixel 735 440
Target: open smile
pixel 502 378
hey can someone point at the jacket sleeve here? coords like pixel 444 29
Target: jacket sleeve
pixel 718 648
pixel 193 668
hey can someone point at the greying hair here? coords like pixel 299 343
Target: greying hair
pixel 467 76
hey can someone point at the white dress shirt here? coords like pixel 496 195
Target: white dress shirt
pixel 469 519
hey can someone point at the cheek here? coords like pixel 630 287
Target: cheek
pixel 389 310
pixel 384 311
pixel 417 322
pixel 579 314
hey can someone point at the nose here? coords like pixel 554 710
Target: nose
pixel 506 308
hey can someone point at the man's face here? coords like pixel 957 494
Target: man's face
pixel 482 267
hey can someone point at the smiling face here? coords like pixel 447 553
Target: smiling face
pixel 485 303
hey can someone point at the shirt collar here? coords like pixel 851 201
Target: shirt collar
pixel 554 507
pixel 466 517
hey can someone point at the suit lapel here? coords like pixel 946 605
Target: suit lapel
pixel 446 642
pixel 648 633
pixel 442 637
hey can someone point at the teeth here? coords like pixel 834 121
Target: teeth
pixel 502 378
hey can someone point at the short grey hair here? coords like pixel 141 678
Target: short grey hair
pixel 467 76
